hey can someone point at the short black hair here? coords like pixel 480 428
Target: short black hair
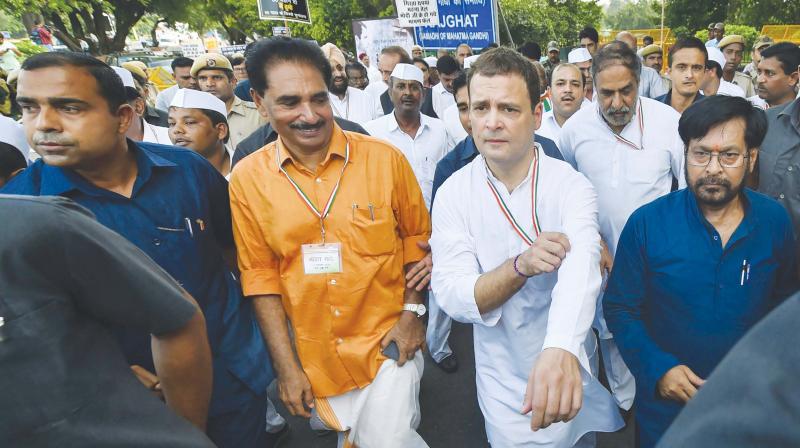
pixel 786 52
pixel 647 40
pixel 11 159
pixel 505 61
pixel 356 66
pixel 460 82
pixel 181 62
pixel 616 53
pixel 531 50
pixel 714 65
pixel 687 42
pixel 590 33
pixel 421 61
pixel 711 111
pixel 217 118
pixel 267 52
pixel 236 60
pixel 109 84
pixel 447 65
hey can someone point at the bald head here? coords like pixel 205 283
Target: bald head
pixel 628 38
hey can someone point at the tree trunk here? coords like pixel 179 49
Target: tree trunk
pixel 62 32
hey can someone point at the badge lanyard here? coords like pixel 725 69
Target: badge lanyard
pixel 319 214
pixel 534 214
pixel 641 130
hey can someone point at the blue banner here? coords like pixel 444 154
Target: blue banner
pixel 460 21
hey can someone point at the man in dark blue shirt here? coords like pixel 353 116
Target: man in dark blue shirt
pixel 697 268
pixel 169 202
pixel 687 64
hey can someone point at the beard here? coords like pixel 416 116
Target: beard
pixel 339 85
pixel 715 191
pixel 619 116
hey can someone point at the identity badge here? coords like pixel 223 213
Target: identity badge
pixel 322 258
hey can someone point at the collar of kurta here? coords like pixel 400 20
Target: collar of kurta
pixel 336 148
pixel 423 123
pixel 636 121
pixel 792 110
pixel 747 225
pixel 57 180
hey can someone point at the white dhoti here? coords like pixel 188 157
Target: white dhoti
pixel 384 414
pixel 620 379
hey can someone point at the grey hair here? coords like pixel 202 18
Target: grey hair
pixel 616 53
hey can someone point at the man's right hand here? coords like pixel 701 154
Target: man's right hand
pixel 294 389
pixel 545 255
pixel 679 384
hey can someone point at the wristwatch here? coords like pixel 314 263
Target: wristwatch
pixel 417 308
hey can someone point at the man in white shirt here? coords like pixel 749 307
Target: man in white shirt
pixel 516 252
pixel 583 60
pixel 566 91
pixel 777 73
pixel 140 130
pixel 389 57
pixel 422 139
pixel 372 72
pixel 732 48
pixel 347 102
pixel 8 55
pixel 713 83
pixel 181 71
pixel 462 52
pixel 452 115
pixel 629 148
pixel 442 93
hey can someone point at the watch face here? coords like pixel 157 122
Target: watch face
pixel 421 309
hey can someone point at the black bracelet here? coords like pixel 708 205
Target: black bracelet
pixel 516 269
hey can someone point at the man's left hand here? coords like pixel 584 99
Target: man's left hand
pixel 606 260
pixel 409 335
pixel 419 277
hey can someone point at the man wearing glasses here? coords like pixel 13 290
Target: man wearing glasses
pixel 695 269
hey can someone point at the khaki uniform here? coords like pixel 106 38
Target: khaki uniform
pixel 243 120
pixel 745 82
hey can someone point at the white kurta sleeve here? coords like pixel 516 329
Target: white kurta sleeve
pixel 566 144
pixel 677 160
pixel 574 297
pixel 455 264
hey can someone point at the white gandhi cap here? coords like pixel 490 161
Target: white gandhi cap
pixel 714 54
pixel 431 60
pixel 579 55
pixel 13 134
pixel 195 99
pixel 127 77
pixel 407 72
pixel 468 61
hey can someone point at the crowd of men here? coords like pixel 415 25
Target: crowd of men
pixel 611 233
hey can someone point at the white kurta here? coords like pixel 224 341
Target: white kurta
pixel 453 124
pixel 550 127
pixel 423 151
pixel 357 106
pixel 625 178
pixel 155 134
pixel 471 236
pixel 441 99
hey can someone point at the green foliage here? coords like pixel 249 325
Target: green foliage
pixel 749 33
pixel 544 20
pixel 28 48
pixel 697 14
pixel 632 15
pixel 12 23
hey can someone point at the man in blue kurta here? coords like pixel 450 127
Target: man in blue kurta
pixel 697 268
pixel 169 202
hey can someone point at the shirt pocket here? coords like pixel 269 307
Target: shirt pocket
pixel 647 166
pixel 372 231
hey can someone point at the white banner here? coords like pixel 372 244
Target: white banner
pixel 373 35
pixel 417 12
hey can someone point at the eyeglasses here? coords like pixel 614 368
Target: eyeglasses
pixel 728 159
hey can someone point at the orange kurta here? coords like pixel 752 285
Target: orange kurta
pixel 338 319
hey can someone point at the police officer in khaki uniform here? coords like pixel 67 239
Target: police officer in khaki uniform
pixel 732 46
pixel 652 56
pixel 214 75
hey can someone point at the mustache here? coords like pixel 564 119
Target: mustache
pixel 300 126
pixel 618 110
pixel 568 97
pixel 713 181
pixel 51 137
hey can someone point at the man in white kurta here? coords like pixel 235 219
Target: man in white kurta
pixel 347 102
pixel 478 229
pixel 429 142
pixel 567 95
pixel 629 167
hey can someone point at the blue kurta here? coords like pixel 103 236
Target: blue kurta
pixel 676 296
pixel 179 215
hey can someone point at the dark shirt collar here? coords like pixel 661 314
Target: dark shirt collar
pixel 468 150
pixel 792 110
pixel 57 181
pixel 667 98
pixel 749 220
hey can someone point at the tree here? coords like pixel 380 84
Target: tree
pixel 545 20
pixel 632 15
pixel 103 24
pixel 697 14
